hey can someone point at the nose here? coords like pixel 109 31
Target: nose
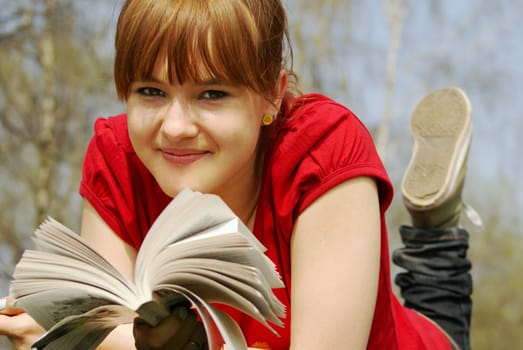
pixel 178 122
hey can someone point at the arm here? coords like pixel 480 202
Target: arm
pixel 103 239
pixel 335 252
pixel 172 333
pixel 121 255
pixel 23 331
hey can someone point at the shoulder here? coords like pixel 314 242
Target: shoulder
pixel 117 184
pixel 317 108
pixel 112 132
pixel 108 162
pixel 318 127
pixel 311 106
pixel 110 150
pixel 316 122
pixel 320 145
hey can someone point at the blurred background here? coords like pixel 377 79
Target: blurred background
pixel 379 57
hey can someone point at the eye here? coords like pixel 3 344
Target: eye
pixel 150 92
pixel 213 95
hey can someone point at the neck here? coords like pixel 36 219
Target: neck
pixel 244 201
pixel 249 221
pixel 247 203
pixel 241 193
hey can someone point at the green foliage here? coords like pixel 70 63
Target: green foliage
pixel 497 269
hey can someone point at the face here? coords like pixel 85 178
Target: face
pixel 197 135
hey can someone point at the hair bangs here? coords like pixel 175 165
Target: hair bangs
pixel 221 45
pixel 195 40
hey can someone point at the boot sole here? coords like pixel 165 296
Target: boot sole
pixel 441 128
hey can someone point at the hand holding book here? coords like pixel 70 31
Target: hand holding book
pixel 196 250
pixel 8 308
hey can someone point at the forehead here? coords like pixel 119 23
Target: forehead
pixel 164 69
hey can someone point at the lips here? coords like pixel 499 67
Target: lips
pixel 182 156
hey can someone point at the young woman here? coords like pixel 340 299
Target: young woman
pixel 212 105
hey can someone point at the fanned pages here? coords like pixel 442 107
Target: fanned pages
pixel 197 250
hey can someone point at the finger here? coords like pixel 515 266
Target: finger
pixel 7 307
pixel 20 327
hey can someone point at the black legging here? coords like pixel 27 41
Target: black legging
pixel 437 282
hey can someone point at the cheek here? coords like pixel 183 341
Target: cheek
pixel 141 136
pixel 140 123
pixel 246 145
pixel 133 127
pixel 242 133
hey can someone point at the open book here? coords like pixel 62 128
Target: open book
pixel 196 250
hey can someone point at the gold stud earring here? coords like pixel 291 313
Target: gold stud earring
pixel 267 119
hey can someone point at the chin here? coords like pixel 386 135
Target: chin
pixel 172 191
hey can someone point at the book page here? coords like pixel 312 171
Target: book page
pixel 85 331
pixel 49 307
pixel 221 242
pixel 50 269
pixel 211 275
pixel 197 250
pixel 53 237
pixel 187 214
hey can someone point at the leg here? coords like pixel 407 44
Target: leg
pixel 437 282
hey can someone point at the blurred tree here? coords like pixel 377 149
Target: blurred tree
pixel 498 265
pixel 396 13
pixel 51 80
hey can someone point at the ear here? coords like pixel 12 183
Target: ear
pixel 281 89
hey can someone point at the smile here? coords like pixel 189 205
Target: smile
pixel 182 157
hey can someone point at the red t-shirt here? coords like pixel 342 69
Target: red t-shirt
pixel 321 145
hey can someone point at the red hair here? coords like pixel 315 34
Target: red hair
pixel 239 41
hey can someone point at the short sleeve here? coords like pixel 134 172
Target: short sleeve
pixel 322 145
